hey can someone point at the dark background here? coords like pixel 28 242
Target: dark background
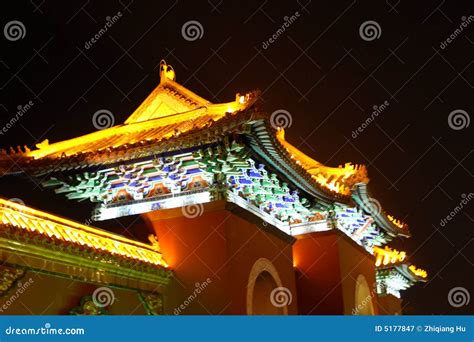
pixel 320 70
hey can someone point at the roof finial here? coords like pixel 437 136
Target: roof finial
pixel 166 71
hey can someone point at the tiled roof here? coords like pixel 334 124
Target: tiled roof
pixel 174 118
pixel 388 257
pixel 339 180
pixel 20 219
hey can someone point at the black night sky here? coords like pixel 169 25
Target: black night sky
pixel 320 70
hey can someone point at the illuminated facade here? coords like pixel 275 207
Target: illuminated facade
pixel 181 161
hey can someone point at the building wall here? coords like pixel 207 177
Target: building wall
pixel 390 305
pixel 227 261
pixel 220 248
pixel 317 274
pixel 355 262
pixel 328 264
pixel 51 295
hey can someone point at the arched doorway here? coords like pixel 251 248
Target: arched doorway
pixel 263 280
pixel 261 305
pixel 363 298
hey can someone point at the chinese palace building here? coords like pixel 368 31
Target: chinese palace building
pixel 239 220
